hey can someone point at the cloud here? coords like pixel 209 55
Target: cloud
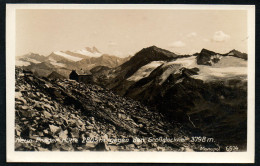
pixel 111 43
pixel 177 44
pixel 220 36
pixel 192 34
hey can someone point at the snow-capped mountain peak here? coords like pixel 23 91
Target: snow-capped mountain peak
pixel 67 56
pixel 89 52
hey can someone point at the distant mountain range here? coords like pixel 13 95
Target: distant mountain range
pixel 207 90
pixel 62 62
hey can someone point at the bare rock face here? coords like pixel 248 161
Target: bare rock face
pixel 237 54
pixel 205 57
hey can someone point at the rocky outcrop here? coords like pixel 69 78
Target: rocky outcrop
pixel 55 75
pixel 207 57
pixel 237 54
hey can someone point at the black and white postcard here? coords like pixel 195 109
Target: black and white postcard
pixel 130 83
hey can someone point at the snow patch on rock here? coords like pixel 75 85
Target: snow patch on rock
pixel 67 56
pixel 145 71
pixel 22 63
pixel 87 53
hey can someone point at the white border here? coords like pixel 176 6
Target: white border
pixel 147 157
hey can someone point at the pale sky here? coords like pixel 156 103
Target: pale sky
pixel 124 32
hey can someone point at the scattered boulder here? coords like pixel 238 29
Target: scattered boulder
pixel 54 129
pixel 47 114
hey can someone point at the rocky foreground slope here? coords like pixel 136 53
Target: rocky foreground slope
pixel 64 115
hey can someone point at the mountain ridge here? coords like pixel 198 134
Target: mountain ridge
pixel 178 86
pixel 63 62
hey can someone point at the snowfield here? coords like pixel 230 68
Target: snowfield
pixel 174 66
pixel 55 63
pixel 87 53
pixel 185 62
pixel 22 63
pixel 215 73
pixel 67 56
pixel 26 62
pixel 32 60
pixel 227 67
pixel 145 71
